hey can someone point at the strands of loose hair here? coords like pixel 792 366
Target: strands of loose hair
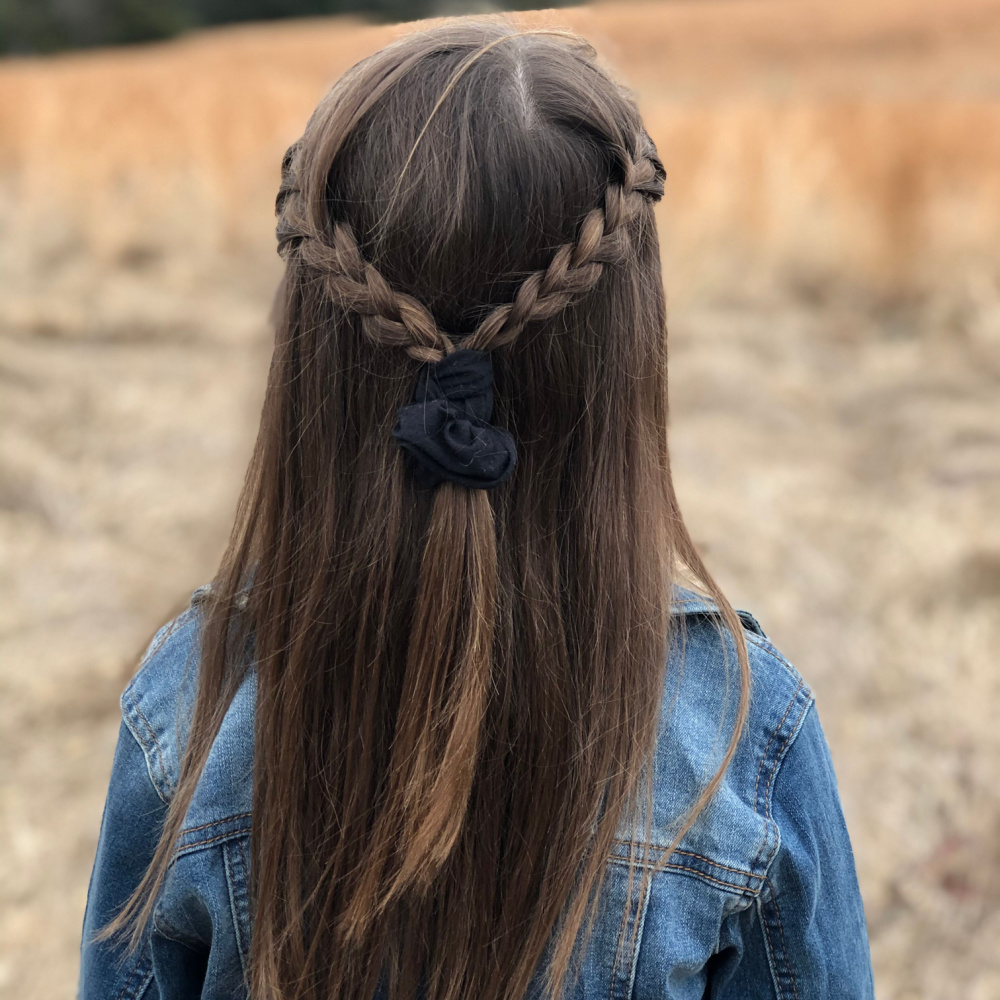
pixel 458 691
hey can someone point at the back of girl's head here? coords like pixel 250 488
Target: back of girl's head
pixel 454 164
pixel 462 157
pixel 457 687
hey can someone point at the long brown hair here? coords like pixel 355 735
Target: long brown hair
pixel 458 689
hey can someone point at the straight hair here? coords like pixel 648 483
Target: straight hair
pixel 458 690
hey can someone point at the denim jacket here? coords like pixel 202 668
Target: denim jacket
pixel 760 900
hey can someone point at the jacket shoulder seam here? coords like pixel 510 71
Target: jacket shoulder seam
pixel 774 654
pixel 136 720
pixel 768 910
pixel 781 740
pixel 144 734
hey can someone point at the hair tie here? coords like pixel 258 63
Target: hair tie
pixel 446 431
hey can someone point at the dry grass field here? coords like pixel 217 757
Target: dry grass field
pixel 831 235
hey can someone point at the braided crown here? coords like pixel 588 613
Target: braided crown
pixel 392 318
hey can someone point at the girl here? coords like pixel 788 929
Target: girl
pixel 446 724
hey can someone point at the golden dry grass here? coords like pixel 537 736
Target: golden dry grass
pixel 804 140
pixel 831 233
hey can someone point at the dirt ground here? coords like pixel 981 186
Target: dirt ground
pixel 836 444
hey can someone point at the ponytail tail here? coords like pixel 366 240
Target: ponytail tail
pixel 442 706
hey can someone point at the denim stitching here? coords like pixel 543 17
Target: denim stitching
pixel 246 909
pixel 614 964
pixel 231 885
pixel 771 954
pixel 700 857
pixel 135 968
pixel 216 822
pixel 245 862
pixel 728 868
pixel 775 732
pixel 742 889
pixel 211 840
pixel 765 646
pixel 784 946
pixel 144 985
pixel 136 730
pixel 749 875
pixel 641 919
pixel 159 750
pixel 779 757
pixel 760 768
pixel 153 762
pixel 633 944
pixel 162 634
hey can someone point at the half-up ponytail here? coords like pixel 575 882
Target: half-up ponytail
pixel 443 703
pixel 450 658
pixel 452 563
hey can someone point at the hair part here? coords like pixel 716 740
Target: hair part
pixel 458 691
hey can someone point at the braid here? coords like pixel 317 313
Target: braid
pixel 576 267
pixel 388 318
pixel 391 318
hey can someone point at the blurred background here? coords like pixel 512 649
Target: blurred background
pixel 831 234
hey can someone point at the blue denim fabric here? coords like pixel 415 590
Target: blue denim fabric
pixel 759 901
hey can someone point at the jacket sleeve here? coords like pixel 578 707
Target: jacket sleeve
pixel 191 946
pixel 130 830
pixel 806 936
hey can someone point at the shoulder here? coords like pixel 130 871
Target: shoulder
pixel 760 896
pixel 157 705
pixel 735 838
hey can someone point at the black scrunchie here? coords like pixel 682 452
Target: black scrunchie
pixel 446 432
